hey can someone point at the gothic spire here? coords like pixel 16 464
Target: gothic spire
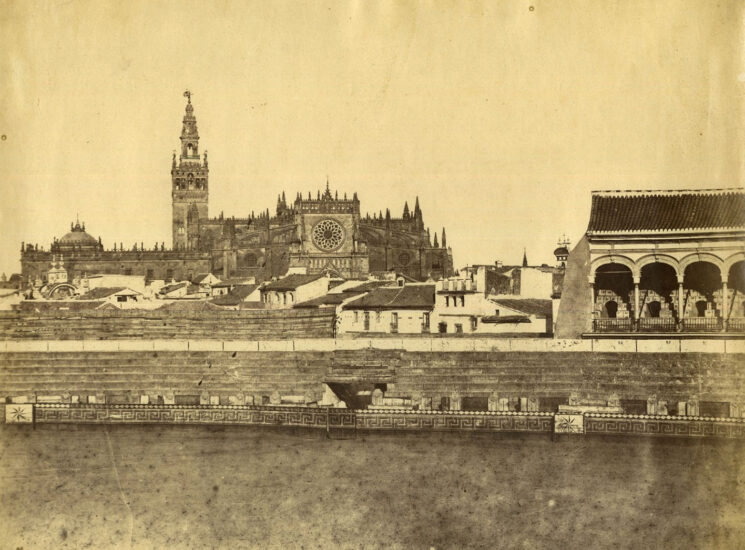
pixel 436 244
pixel 406 210
pixel 444 240
pixel 525 258
pixel 417 210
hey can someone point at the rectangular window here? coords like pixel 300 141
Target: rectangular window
pixel 367 320
pixel 425 320
pixel 458 328
pixel 442 328
pixel 394 322
pixel 121 298
pixel 463 301
pixel 474 324
pixel 447 301
pixel 356 316
pixel 496 313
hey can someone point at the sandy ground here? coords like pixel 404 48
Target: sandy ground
pixel 233 487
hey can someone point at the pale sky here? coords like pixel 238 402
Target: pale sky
pixel 501 116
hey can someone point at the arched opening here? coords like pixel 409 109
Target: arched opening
pixel 658 291
pixel 736 297
pixel 612 309
pixel 702 297
pixel 190 150
pixel 653 309
pixel 701 308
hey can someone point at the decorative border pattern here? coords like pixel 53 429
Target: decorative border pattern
pixel 453 422
pixel 391 420
pixel 696 427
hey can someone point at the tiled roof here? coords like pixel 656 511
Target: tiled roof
pixel 292 282
pixel 189 305
pixel 501 319
pixel 530 306
pixel 622 212
pixel 40 306
pixel 170 288
pixel 405 297
pixel 235 296
pixel 102 292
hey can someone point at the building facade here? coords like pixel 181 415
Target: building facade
pixel 658 261
pixel 322 234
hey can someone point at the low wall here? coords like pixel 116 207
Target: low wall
pixel 166 325
pixel 233 342
pixel 394 420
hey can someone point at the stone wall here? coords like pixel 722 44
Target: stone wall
pixel 157 324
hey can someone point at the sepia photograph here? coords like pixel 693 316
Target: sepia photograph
pixel 386 274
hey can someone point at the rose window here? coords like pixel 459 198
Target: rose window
pixel 328 235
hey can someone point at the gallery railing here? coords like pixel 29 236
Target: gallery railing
pixel 702 324
pixel 668 325
pixel 657 324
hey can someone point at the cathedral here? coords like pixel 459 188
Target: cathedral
pixel 324 233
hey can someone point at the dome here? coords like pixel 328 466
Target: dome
pixel 561 251
pixel 78 237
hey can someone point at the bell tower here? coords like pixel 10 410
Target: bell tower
pixel 189 184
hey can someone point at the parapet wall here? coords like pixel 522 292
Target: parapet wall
pixel 167 325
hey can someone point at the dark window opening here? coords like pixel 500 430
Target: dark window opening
pixel 717 409
pixel 634 406
pixel 442 328
pixel 458 328
pixel 186 399
pixel 611 308
pixel 654 308
pixel 701 308
pixel 475 403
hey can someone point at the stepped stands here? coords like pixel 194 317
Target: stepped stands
pixel 553 377
pixel 159 324
pixel 163 373
pixel 541 380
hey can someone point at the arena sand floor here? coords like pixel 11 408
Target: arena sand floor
pixel 236 487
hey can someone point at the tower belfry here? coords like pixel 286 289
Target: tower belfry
pixel 189 184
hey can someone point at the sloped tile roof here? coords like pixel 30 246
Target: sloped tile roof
pixel 502 319
pixel 102 292
pixel 292 282
pixel 530 306
pixel 170 288
pixel 235 296
pixel 667 210
pixel 405 297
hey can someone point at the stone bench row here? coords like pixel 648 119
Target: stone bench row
pixel 412 345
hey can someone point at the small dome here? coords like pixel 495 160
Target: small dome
pixel 561 251
pixel 78 237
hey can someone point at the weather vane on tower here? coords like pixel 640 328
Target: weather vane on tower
pixel 187 95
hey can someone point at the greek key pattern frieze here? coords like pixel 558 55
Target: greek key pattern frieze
pixel 665 427
pixel 454 422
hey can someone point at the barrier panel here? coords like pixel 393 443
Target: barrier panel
pixel 391 420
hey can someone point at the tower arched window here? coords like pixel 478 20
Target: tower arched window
pixel 190 180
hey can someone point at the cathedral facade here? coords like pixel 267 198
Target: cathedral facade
pixel 324 233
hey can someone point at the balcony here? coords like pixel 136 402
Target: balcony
pixel 657 324
pixel 667 325
pixel 702 324
pixel 612 325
